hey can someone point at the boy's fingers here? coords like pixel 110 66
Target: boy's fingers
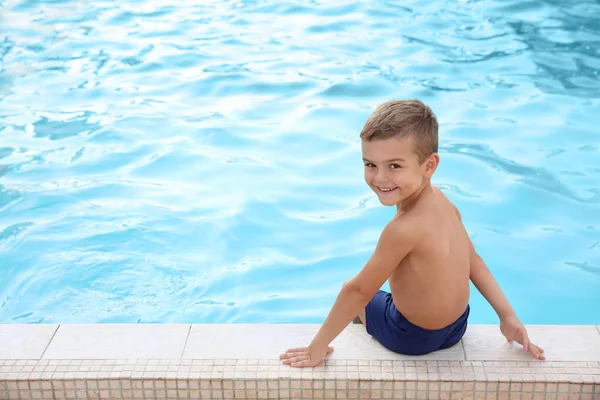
pixel 540 352
pixel 536 351
pixel 539 348
pixel 525 341
pixel 295 360
pixel 293 355
pixel 299 357
pixel 533 351
pixel 539 355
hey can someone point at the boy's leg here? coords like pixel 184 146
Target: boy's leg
pixel 361 318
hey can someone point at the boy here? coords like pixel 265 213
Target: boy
pixel 424 251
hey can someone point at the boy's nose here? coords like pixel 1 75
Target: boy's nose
pixel 380 176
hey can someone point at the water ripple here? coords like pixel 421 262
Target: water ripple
pixel 201 162
pixel 536 177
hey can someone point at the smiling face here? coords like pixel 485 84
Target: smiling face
pixel 393 171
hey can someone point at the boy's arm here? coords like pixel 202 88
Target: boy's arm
pixel 486 284
pixel 396 241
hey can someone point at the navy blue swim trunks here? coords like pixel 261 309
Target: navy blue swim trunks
pixel 396 333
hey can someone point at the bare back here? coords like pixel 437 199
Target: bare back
pixel 430 287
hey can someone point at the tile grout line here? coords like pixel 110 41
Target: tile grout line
pixel 50 341
pixel 419 364
pixel 187 338
pixel 45 346
pixel 464 351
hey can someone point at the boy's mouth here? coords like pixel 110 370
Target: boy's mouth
pixel 386 190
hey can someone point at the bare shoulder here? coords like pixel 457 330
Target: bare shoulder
pixel 456 211
pixel 405 226
pixel 398 239
pixel 446 199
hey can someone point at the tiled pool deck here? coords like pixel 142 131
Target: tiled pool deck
pixel 163 361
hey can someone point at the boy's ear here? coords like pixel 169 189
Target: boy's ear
pixel 431 164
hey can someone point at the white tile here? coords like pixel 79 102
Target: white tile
pixel 560 343
pixel 265 341
pixel 118 341
pixel 268 341
pixel 24 341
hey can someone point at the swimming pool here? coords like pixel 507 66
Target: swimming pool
pixel 178 163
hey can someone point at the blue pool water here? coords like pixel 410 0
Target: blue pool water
pixel 163 162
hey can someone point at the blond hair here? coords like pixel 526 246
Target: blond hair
pixel 404 119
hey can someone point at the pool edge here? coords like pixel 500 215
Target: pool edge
pixel 489 368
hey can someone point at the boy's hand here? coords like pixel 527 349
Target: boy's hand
pixel 304 356
pixel 514 330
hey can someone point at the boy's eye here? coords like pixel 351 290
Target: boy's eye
pixel 370 165
pixel 394 166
